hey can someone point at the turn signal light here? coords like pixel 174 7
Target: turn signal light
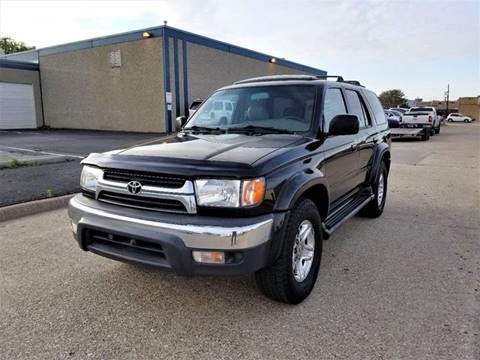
pixel 429 119
pixel 253 192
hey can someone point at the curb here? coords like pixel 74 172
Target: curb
pixel 36 161
pixel 33 207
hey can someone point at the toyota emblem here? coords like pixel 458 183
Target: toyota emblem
pixel 134 187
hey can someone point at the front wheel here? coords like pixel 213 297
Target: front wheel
pixel 291 278
pixel 375 207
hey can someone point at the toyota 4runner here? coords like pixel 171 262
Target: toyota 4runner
pixel 255 190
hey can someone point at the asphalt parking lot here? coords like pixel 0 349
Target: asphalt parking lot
pixel 404 286
pixel 60 178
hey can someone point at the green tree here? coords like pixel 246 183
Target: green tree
pixel 10 46
pixel 393 98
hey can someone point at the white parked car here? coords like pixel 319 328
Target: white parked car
pixel 459 117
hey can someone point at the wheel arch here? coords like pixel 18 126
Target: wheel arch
pixel 313 186
pixel 382 154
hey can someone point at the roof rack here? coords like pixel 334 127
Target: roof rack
pixel 300 77
pixel 276 78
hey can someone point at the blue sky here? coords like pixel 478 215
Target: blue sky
pixel 417 46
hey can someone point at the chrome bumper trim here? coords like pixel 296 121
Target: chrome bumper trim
pixel 193 236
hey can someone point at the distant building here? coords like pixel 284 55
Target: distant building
pixel 470 106
pixel 413 103
pixel 440 105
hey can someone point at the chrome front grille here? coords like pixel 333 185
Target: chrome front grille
pixel 146 178
pixel 179 199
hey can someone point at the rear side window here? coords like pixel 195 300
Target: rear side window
pixel 355 107
pixel 333 105
pixel 376 107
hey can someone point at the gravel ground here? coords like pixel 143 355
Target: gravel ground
pixel 28 183
pixel 404 286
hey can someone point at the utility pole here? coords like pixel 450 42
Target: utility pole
pixel 448 96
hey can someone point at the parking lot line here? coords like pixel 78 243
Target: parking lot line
pixel 41 152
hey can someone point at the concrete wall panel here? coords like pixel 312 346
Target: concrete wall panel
pixel 210 69
pixel 82 90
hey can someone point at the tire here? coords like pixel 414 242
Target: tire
pixel 375 207
pixel 279 281
pixel 437 130
pixel 426 135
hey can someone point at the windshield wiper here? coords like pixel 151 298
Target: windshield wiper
pixel 205 129
pixel 253 129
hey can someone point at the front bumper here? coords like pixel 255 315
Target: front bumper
pixel 167 240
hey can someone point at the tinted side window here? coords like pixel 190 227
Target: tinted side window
pixel 376 107
pixel 333 105
pixel 355 107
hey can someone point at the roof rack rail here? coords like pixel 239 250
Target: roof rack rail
pixel 276 78
pixel 299 77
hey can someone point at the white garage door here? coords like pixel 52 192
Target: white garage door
pixel 17 106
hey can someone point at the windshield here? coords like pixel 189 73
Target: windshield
pixel 421 109
pixel 277 107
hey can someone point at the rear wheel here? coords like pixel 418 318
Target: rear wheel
pixel 375 207
pixel 426 135
pixel 291 278
pixel 437 130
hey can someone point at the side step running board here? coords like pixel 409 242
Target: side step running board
pixel 345 213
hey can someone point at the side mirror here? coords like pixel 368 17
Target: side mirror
pixel 344 125
pixel 179 122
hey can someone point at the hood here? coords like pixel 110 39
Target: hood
pixel 212 152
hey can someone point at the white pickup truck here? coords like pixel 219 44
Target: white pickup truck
pixel 422 117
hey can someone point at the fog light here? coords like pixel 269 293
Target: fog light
pixel 209 257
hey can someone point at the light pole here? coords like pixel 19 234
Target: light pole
pixel 448 96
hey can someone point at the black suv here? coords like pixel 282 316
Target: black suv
pixel 252 183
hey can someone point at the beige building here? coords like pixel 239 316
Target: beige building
pixel 439 104
pixel 470 106
pixel 141 80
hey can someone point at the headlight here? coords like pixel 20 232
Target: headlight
pixel 89 177
pixel 230 193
